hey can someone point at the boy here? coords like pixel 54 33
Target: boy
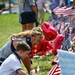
pixel 12 65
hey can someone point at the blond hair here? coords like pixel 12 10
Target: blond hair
pixel 37 31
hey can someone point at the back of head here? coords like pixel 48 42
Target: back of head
pixel 23 46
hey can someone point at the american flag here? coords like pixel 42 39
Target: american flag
pixel 54 10
pixel 64 11
pixel 55 70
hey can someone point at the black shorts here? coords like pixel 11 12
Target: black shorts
pixel 28 17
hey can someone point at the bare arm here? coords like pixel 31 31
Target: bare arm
pixel 21 72
pixel 43 4
pixel 33 7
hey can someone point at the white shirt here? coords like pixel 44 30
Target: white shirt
pixel 40 4
pixel 10 65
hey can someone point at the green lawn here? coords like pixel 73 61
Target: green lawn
pixel 8 25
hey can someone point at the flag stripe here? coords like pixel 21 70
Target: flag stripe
pixel 55 70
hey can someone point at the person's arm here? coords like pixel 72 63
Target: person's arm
pixel 34 9
pixel 27 63
pixel 43 4
pixel 73 3
pixel 21 72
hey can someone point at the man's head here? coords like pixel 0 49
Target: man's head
pixel 23 49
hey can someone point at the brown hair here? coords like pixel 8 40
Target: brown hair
pixel 23 46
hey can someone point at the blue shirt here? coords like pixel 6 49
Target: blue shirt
pixel 54 3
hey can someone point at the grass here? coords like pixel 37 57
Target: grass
pixel 44 64
pixel 8 25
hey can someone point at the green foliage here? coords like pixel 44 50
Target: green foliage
pixel 8 25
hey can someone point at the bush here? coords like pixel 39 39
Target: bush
pixel 2 6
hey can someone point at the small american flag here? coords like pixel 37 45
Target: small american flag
pixel 55 70
pixel 64 11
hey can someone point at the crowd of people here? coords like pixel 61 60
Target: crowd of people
pixel 56 34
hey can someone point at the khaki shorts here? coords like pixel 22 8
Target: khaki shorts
pixel 41 14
